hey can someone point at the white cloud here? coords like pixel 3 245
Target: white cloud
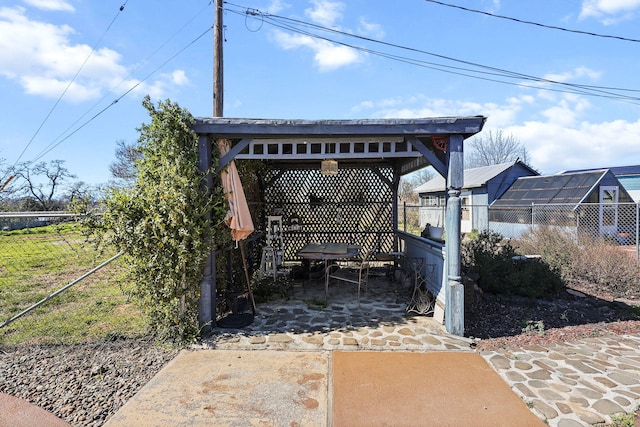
pixel 179 78
pixel 609 10
pixel 327 56
pixel 554 147
pixel 421 106
pixel 289 41
pixel 161 85
pixel 574 74
pixel 325 12
pixel 277 6
pixel 554 129
pixel 41 57
pixel 55 5
pixel 370 29
pixel 560 138
pixel 53 88
pixel 493 7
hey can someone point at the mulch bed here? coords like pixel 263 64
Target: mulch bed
pixel 502 322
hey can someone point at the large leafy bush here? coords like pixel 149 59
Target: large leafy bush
pixel 499 268
pixel 161 223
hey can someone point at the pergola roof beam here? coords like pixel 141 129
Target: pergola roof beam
pixel 220 127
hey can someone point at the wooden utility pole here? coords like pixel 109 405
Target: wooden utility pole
pixel 218 38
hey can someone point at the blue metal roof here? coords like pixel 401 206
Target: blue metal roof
pixel 616 170
pixel 473 178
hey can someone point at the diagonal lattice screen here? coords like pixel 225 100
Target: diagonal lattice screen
pixel 354 206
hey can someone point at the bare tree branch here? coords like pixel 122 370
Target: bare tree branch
pixel 125 165
pixel 493 149
pixel 42 182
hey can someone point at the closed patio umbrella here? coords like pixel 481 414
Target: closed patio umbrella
pixel 238 217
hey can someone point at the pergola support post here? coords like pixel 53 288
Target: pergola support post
pixel 207 302
pixel 454 291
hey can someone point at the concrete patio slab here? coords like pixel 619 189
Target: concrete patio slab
pixel 299 388
pixel 233 388
pixel 422 389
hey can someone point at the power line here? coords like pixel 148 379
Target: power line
pixel 289 24
pixel 55 142
pixel 522 21
pixel 570 88
pixel 51 147
pixel 71 82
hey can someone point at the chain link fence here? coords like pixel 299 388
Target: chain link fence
pixel 617 223
pixel 42 253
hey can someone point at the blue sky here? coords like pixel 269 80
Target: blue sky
pixel 165 50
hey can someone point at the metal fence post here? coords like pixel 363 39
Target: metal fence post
pixel 637 232
pixel 533 221
pixel 404 216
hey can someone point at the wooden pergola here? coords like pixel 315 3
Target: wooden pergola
pixel 385 148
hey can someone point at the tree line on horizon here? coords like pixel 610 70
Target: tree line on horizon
pixel 42 186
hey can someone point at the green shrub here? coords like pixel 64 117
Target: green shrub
pixel 493 261
pixel 162 225
pixel 473 234
pixel 535 278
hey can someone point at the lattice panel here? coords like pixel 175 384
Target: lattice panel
pixel 353 207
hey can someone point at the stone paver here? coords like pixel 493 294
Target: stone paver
pixel 600 390
pixel 320 332
pixel 569 384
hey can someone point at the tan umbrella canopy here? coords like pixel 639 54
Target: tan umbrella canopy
pixel 238 217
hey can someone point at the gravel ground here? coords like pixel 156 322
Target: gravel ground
pixel 82 384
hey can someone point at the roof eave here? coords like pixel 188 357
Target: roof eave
pixel 282 128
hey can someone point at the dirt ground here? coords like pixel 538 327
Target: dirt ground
pixel 510 321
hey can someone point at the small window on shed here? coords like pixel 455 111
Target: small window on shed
pixel 430 201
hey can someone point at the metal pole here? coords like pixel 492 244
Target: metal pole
pixel 637 232
pixel 404 216
pixel 246 274
pixel 533 222
pixel 59 291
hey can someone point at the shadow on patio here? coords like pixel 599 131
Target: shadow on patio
pixel 304 321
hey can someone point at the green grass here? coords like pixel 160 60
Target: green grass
pixel 623 420
pixel 37 262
